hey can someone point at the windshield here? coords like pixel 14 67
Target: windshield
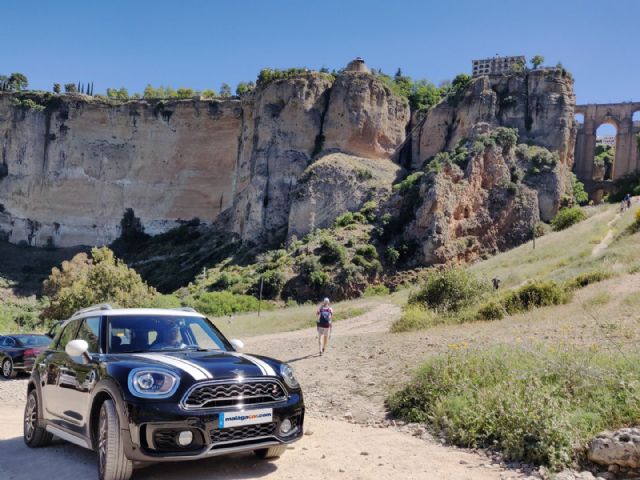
pixel 154 333
pixel 33 340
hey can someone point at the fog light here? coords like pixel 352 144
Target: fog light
pixel 285 426
pixel 185 438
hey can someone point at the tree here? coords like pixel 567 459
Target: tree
pixel 70 87
pixel 208 93
pixel 537 61
pixel 225 90
pixel 82 282
pixel 244 87
pixel 121 94
pixel 57 88
pixel 18 81
pixel 184 92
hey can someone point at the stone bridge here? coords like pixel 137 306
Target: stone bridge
pixel 627 158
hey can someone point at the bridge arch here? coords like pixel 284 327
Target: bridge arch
pixel 625 117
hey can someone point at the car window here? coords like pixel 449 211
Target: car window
pixel 68 334
pixel 33 340
pixel 9 342
pixel 90 332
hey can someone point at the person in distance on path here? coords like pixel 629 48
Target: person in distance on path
pixel 325 317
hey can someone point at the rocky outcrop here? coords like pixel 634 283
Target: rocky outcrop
pixel 76 166
pixel 335 184
pixel 465 214
pixel 539 104
pixel 364 118
pixel 291 122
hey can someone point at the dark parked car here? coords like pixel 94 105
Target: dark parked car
pixel 18 352
pixel 154 385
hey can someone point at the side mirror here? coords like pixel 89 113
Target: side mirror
pixel 237 344
pixel 78 348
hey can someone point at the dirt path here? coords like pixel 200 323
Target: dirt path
pixel 347 433
pixel 606 241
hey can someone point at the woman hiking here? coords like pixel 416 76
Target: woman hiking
pixel 325 317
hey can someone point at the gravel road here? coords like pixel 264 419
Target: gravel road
pixel 347 433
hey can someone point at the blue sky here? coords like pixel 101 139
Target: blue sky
pixel 200 44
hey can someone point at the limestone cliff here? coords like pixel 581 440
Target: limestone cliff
pixel 74 167
pixel 538 103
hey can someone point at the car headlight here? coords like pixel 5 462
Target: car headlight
pixel 289 378
pixel 152 382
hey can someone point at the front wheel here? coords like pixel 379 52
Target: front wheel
pixel 112 462
pixel 7 369
pixel 272 452
pixel 33 435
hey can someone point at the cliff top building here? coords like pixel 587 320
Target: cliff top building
pixel 496 65
pixel 357 65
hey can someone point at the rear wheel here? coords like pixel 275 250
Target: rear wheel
pixel 112 462
pixel 272 452
pixel 7 369
pixel 33 435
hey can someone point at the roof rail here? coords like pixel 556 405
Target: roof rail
pixel 185 309
pixel 93 308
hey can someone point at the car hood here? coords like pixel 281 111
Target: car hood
pixel 207 365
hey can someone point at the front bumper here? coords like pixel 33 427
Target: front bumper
pixel 151 430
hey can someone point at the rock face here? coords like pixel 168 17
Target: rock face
pixel 335 184
pixel 466 214
pixel 68 173
pixel 74 168
pixel 620 448
pixel 539 104
pixel 290 123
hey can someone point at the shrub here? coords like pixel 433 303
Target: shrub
pixel 535 294
pixel 344 220
pixel 332 251
pixel 507 138
pixel 369 210
pixel 491 310
pixel 567 217
pixel 164 301
pixel 448 290
pixel 587 278
pixel 272 283
pixel 414 317
pixel 534 405
pixel 408 183
pixel 391 255
pixel 375 290
pixel 218 304
pixel 359 218
pixel 82 282
pixel 319 278
pixel 367 251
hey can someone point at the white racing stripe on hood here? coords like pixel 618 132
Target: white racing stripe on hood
pixel 196 371
pixel 264 367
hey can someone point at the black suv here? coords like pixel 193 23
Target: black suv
pixel 152 385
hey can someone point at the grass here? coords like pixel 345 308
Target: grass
pixel 537 404
pixel 287 319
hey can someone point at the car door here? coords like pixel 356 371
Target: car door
pixel 58 379
pixel 81 375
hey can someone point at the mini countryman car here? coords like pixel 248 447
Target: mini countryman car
pixel 152 385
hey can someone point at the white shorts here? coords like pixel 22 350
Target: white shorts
pixel 324 331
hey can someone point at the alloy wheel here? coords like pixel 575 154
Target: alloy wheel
pixel 102 442
pixel 30 417
pixel 6 368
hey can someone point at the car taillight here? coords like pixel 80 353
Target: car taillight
pixel 31 352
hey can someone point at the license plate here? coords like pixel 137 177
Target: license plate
pixel 248 417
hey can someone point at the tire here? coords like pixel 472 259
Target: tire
pixel 33 435
pixel 7 369
pixel 272 452
pixel 112 462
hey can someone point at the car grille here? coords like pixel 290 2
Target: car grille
pixel 247 432
pixel 215 395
